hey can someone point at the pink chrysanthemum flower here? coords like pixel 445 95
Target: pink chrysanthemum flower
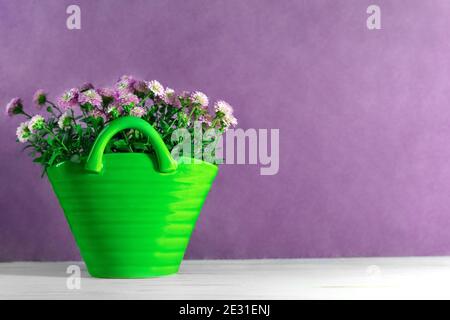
pixel 40 98
pixel 137 112
pixel 14 107
pixel 200 98
pixel 125 83
pixel 156 87
pixel 69 99
pixel 90 96
pixel 127 98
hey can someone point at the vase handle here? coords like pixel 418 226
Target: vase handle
pixel 94 161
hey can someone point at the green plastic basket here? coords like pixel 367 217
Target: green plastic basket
pixel 132 214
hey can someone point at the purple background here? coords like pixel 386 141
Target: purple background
pixel 364 117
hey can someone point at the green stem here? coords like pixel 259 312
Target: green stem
pixel 214 122
pixel 192 112
pixel 127 142
pixel 144 99
pixel 170 127
pixel 52 112
pixel 26 114
pixel 56 138
pixel 54 106
pixel 73 117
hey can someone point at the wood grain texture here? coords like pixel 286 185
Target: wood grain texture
pixel 365 278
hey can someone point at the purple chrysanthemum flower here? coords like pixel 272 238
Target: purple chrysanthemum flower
pixel 141 86
pixel 206 119
pixel 69 99
pixel 126 83
pixel 40 98
pixel 106 92
pixel 91 96
pixel 14 107
pixel 185 94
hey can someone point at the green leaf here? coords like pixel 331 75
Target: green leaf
pixel 120 143
pixel 53 157
pixel 39 159
pixel 139 146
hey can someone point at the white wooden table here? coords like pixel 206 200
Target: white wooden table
pixel 366 278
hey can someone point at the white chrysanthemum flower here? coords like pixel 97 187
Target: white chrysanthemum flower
pixel 169 96
pixel 36 123
pixel 64 121
pixel 23 133
pixel 156 87
pixel 225 111
pixel 223 107
pixel 200 98
pixel 137 112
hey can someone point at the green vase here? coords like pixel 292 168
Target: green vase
pixel 132 214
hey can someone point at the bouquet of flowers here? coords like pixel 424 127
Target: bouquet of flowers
pixel 74 121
